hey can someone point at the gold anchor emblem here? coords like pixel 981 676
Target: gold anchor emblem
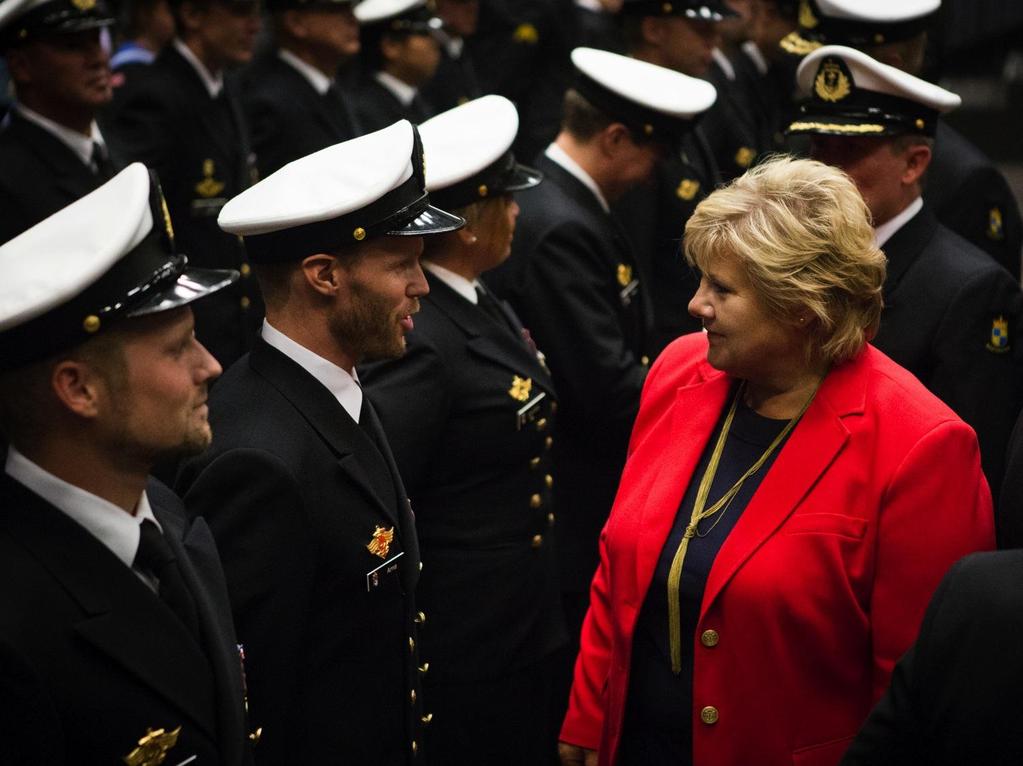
pixel 520 388
pixel 152 748
pixel 831 83
pixel 209 186
pixel 687 189
pixel 380 545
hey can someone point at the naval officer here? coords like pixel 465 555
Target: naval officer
pixel 300 488
pixel 952 315
pixel 116 642
pixel 467 411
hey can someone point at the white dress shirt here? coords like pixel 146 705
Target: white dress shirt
pixel 458 283
pixel 558 156
pixel 400 90
pixel 342 386
pixel 75 141
pixel 111 525
pixel 885 231
pixel 214 83
pixel 316 78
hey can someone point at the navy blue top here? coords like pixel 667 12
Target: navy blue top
pixel 658 709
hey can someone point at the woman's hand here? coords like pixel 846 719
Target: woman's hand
pixel 573 755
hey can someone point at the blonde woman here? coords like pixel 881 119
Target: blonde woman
pixel 791 499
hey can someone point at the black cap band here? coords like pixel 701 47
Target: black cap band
pixel 500 177
pixel 56 17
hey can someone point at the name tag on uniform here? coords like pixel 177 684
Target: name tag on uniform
pixel 529 412
pixel 376 576
pixel 626 294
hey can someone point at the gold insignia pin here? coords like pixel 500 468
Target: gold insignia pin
pixel 153 748
pixel 999 342
pixel 84 5
pixel 807 19
pixel 831 83
pixel 687 189
pixel 520 388
pixel 624 274
pixel 744 157
pixel 995 228
pixel 209 186
pixel 527 34
pixel 380 545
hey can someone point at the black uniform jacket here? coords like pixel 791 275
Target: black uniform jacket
pixel 297 494
pixel 91 658
pixel 199 147
pixel 376 107
pixel 288 117
pixel 971 197
pixel 654 215
pixel 41 174
pixel 730 125
pixel 1009 512
pixel 955 695
pixel 454 82
pixel 467 411
pixel 945 302
pixel 573 280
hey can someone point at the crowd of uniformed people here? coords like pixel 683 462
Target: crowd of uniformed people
pixel 402 302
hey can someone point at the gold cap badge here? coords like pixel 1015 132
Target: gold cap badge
pixel 380 545
pixel 832 84
pixel 520 388
pixel 209 186
pixel 152 748
pixel 84 5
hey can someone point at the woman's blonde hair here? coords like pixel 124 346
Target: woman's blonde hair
pixel 802 232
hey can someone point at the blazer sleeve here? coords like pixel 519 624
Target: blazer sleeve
pixel 585 717
pixel 413 398
pixel 595 370
pixel 257 513
pixel 936 510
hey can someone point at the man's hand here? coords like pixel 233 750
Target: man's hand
pixel 573 755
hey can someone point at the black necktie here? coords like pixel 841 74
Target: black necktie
pixel 100 162
pixel 155 557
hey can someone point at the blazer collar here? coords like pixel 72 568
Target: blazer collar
pixel 572 187
pixel 484 336
pixel 68 173
pixel 123 619
pixel 321 411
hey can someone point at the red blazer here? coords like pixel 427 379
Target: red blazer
pixel 821 585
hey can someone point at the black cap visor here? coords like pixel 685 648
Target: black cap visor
pixel 431 220
pixel 192 285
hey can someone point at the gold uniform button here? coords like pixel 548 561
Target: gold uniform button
pixel 245 269
pixel 709 715
pixel 548 442
pixel 535 501
pixel 537 541
pixel 709 638
pixel 420 618
pixel 415 747
pixel 534 464
pixel 645 361
pixel 550 519
pixel 245 302
pixel 548 481
pixel 541 424
pixel 411 644
pixel 412 696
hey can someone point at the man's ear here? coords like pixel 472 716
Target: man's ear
pixel 613 137
pixel 466 235
pixel 391 48
pixel 322 272
pixel 918 158
pixel 80 387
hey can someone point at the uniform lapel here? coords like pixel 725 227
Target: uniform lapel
pixel 696 410
pixel 122 619
pixel 197 558
pixel 810 450
pixel 68 173
pixel 322 412
pixel 904 247
pixel 487 338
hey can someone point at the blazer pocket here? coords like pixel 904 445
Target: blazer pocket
pixel 826 524
pixel 824 754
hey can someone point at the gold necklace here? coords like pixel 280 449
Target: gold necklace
pixel 701 512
